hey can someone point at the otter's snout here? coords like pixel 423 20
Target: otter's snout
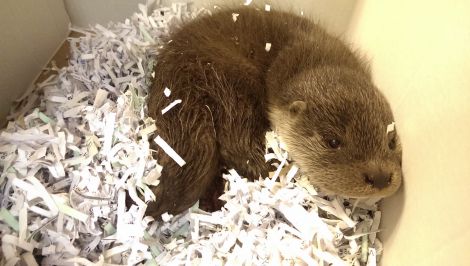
pixel 378 178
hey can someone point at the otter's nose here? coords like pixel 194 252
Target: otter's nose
pixel 379 179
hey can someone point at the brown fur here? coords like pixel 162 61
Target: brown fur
pixel 309 87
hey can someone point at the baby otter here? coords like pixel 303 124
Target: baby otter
pixel 309 87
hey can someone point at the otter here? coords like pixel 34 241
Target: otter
pixel 241 72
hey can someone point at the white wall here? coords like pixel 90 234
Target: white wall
pixel 421 59
pixel 30 32
pixel 334 14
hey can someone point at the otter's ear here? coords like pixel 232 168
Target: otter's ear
pixel 297 108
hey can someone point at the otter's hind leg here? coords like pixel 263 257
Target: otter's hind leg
pixel 242 139
pixel 190 132
pixel 244 151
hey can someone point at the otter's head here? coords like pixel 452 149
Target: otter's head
pixel 334 123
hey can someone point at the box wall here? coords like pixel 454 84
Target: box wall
pixel 334 14
pixel 421 61
pixel 30 33
pixel 84 13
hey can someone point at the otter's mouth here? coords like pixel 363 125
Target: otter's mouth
pixel 363 186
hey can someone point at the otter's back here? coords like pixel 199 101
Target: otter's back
pixel 220 39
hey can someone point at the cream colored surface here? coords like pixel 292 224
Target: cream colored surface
pixel 421 59
pixel 334 14
pixel 30 32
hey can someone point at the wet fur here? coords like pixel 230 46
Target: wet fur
pixel 233 91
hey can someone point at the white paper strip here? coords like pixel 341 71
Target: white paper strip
pixel 171 105
pixel 169 151
pixel 167 92
pixel 267 47
pixel 235 16
pixel 391 127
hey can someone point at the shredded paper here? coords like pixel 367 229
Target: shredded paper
pixel 77 145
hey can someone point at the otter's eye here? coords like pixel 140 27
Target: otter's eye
pixel 392 143
pixel 334 143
